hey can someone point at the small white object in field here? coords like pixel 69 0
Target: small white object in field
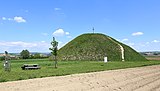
pixel 105 59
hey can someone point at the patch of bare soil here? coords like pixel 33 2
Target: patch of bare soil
pixel 153 58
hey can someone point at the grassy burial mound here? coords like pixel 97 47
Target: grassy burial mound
pixel 97 46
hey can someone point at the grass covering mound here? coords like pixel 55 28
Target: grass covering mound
pixel 95 47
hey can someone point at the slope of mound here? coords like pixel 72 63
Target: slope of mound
pixel 96 47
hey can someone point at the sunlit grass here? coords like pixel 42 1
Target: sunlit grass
pixel 64 68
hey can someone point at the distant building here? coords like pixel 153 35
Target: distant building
pixel 1 55
pixel 10 56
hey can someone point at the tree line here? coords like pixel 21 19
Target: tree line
pixel 25 54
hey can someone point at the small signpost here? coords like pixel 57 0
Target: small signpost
pixel 7 64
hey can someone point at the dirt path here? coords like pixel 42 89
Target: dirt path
pixel 121 48
pixel 132 79
pixel 122 51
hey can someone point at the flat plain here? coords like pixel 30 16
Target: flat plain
pixel 131 79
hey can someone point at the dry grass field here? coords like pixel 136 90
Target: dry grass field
pixel 153 57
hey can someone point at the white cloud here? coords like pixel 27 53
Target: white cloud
pixel 60 32
pixel 16 19
pixel 19 19
pixel 4 18
pixel 43 41
pixel 18 43
pixel 67 33
pixel 18 46
pixel 124 40
pixel 56 9
pixel 10 19
pixel 147 43
pixel 45 34
pixel 69 37
pixel 137 34
pixel 146 46
pixel 155 41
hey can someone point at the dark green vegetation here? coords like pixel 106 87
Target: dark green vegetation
pixel 65 68
pixel 25 54
pixel 96 47
pixel 2 58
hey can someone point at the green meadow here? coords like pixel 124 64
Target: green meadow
pixel 64 68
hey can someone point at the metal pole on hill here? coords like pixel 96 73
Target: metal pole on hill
pixel 93 29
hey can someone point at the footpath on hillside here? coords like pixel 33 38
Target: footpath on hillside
pixel 121 48
pixel 131 79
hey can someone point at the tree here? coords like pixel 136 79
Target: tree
pixel 25 54
pixel 54 49
pixel 155 53
pixel 37 55
pixel 2 58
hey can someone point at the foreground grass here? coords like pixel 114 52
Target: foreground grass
pixel 64 68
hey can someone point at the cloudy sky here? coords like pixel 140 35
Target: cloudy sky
pixel 31 24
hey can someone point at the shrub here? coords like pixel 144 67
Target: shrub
pixel 2 58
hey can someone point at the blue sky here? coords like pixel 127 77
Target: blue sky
pixel 31 24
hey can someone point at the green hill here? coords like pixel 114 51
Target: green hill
pixel 95 47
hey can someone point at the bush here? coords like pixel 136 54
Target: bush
pixel 2 58
pixel 51 58
pixel 37 55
